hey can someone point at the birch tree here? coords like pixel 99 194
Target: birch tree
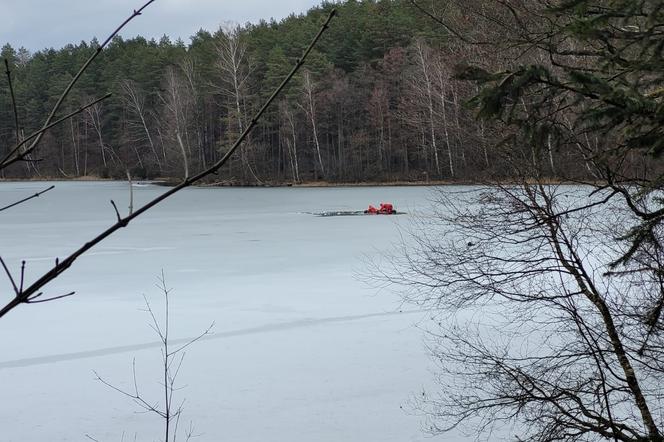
pixel 134 100
pixel 233 66
pixel 424 86
pixel 290 136
pixel 93 114
pixel 176 102
pixel 308 104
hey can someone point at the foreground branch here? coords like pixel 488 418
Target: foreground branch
pixel 36 195
pixel 24 295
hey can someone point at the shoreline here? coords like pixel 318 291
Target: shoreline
pixel 165 182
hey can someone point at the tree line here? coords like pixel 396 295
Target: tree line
pixel 378 101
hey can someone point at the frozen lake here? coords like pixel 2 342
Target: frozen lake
pixel 301 350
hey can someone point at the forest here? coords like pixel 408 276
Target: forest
pixel 542 302
pixel 378 101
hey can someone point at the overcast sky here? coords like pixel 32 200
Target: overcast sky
pixel 38 24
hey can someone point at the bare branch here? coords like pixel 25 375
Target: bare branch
pixel 36 195
pixel 67 262
pixel 13 98
pixel 9 275
pixel 117 212
pixel 22 275
pixel 33 300
pixel 202 335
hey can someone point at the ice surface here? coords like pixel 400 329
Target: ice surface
pixel 301 351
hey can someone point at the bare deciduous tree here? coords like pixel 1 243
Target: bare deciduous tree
pixel 424 85
pixel 169 408
pixel 93 116
pixel 291 139
pixel 533 330
pixel 134 100
pixel 547 300
pixel 177 101
pixel 309 108
pixel 233 65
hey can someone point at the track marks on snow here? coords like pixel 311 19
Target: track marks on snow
pixel 268 328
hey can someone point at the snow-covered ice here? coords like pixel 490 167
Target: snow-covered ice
pixel 301 350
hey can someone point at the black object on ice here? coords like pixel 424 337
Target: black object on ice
pixel 351 213
pixel 341 213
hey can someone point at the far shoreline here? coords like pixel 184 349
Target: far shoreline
pixel 168 182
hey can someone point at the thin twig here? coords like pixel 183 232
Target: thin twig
pixel 449 28
pixel 117 212
pixel 155 324
pixel 9 275
pixel 41 301
pixel 22 275
pixel 135 397
pixel 36 195
pixel 67 262
pixel 197 338
pixel 13 97
pixel 190 432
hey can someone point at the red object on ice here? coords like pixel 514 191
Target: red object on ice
pixel 385 209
